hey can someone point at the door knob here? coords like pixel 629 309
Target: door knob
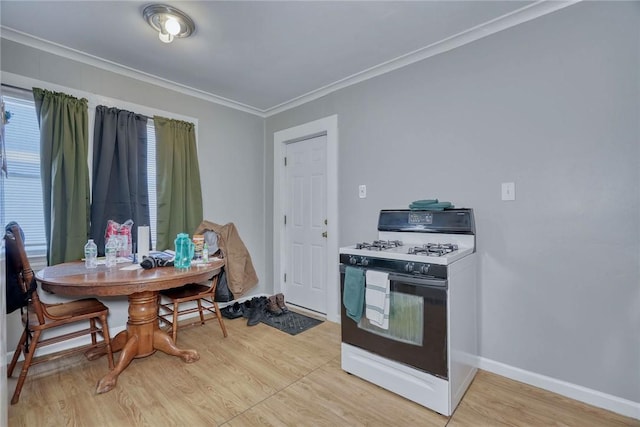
pixel 324 234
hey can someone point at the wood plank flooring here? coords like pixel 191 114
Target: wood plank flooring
pixel 260 376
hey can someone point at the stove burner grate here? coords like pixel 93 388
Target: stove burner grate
pixel 434 249
pixel 379 245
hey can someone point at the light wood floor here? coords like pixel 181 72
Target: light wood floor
pixel 261 376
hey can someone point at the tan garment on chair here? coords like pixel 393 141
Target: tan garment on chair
pixel 241 276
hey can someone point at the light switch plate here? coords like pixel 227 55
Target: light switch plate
pixel 508 191
pixel 362 191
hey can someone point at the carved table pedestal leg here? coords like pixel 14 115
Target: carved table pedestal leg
pixel 142 338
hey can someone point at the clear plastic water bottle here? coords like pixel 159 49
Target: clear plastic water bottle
pixel 111 251
pixel 205 253
pixel 90 254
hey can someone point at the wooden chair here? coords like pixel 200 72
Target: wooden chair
pixel 39 317
pixel 204 295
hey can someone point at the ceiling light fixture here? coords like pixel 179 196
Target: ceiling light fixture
pixel 168 21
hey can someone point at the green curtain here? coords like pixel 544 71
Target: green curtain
pixel 64 144
pixel 179 193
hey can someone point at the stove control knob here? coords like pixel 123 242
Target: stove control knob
pixel 352 260
pixel 408 267
pixel 425 269
pixel 364 261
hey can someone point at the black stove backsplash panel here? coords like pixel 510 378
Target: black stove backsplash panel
pixel 450 221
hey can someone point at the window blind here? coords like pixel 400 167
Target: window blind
pixel 151 180
pixel 22 186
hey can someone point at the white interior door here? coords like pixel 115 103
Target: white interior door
pixel 306 224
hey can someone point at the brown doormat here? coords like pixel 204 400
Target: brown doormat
pixel 290 322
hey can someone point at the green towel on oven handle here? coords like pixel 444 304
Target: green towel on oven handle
pixel 353 296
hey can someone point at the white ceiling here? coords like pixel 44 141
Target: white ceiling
pixel 261 56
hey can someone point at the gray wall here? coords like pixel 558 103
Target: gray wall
pixel 230 146
pixel 552 105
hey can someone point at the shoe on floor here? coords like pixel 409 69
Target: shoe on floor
pixel 245 308
pixel 232 311
pixel 272 306
pixel 257 311
pixel 280 302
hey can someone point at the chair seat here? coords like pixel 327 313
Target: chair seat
pixel 75 308
pixel 64 312
pixel 202 295
pixel 186 291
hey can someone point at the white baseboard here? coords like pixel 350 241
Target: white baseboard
pixel 307 312
pixel 596 398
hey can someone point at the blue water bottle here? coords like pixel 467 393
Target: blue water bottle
pixel 184 251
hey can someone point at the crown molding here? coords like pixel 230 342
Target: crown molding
pixel 509 20
pixel 85 58
pixel 94 99
pixel 517 17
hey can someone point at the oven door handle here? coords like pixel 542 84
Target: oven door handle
pixel 418 281
pixel 407 278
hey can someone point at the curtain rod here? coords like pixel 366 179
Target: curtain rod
pixel 15 87
pixel 29 90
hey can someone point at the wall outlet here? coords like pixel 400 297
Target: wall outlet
pixel 508 191
pixel 362 191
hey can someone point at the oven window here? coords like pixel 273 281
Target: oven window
pixel 406 319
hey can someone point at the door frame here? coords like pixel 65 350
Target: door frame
pixel 326 126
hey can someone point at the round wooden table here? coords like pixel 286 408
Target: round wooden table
pixel 143 335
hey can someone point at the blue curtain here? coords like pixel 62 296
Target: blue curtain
pixel 119 184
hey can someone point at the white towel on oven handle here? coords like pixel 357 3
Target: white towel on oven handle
pixel 376 297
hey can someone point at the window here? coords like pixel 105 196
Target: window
pixel 21 190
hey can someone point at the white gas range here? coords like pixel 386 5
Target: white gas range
pixel 428 352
